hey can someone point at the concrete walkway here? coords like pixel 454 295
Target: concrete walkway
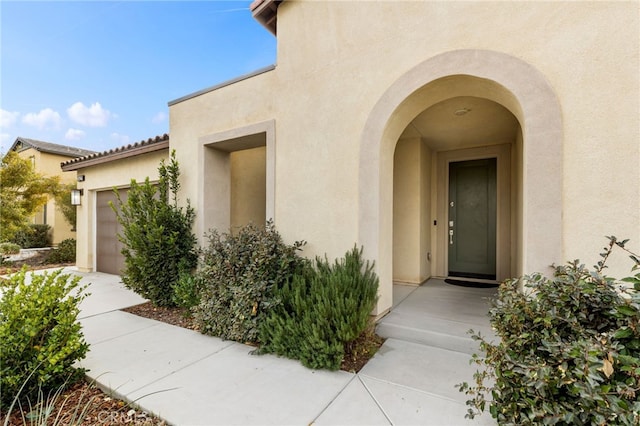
pixel 187 378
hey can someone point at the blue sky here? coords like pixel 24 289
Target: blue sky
pixel 98 75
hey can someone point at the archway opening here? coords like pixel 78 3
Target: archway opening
pixel 498 77
pixel 428 241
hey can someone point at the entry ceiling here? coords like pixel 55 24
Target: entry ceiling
pixel 463 122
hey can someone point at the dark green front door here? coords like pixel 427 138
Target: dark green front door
pixel 472 219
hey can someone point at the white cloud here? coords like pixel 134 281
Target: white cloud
pixel 45 119
pixel 74 134
pixel 4 139
pixel 92 116
pixel 120 139
pixel 159 118
pixel 8 118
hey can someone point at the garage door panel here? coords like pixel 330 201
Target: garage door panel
pixel 109 258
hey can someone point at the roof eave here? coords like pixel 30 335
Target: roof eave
pixel 266 12
pixel 62 150
pixel 118 154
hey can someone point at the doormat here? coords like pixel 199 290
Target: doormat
pixel 463 283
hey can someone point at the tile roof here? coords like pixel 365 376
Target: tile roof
pixel 22 144
pixel 131 150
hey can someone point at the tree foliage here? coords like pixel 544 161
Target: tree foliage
pixel 158 241
pixel 22 192
pixel 63 203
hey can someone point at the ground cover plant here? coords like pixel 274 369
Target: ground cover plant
pixel 9 248
pixel 159 245
pixel 232 290
pixel 64 253
pixel 40 338
pixel 322 311
pixel 569 349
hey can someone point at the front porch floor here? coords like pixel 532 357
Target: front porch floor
pixel 438 314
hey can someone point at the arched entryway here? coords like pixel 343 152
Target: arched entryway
pixel 534 157
pixel 455 191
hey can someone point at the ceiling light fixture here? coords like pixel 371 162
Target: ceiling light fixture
pixel 462 111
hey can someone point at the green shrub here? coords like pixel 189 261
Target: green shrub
pixel 238 274
pixel 64 253
pixel 186 292
pixel 321 311
pixel 569 351
pixel 33 236
pixel 158 242
pixel 9 248
pixel 40 339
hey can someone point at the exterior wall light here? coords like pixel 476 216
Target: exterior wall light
pixel 75 197
pixel 80 178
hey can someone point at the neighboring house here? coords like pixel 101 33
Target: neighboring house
pixel 46 158
pixel 475 139
pixel 98 247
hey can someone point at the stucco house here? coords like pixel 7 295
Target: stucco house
pixel 474 139
pixel 46 158
pixel 98 247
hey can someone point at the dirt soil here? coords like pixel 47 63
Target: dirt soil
pixel 85 404
pixel 173 316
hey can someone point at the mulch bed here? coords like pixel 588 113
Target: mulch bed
pixel 85 404
pixel 173 316
pixel 359 352
pixel 38 261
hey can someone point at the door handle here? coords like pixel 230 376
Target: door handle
pixel 451 236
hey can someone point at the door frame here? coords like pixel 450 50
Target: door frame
pixel 96 222
pixel 505 246
pixel 487 270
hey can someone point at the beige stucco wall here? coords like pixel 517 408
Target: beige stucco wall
pixel 338 63
pixel 248 187
pixel 49 165
pixel 587 51
pixel 103 177
pixel 411 211
pixel 246 102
